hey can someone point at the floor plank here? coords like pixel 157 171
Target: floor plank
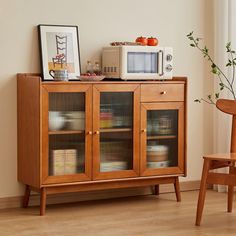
pixel 139 216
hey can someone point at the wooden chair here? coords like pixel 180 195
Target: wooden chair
pixel 216 161
pixel 61 56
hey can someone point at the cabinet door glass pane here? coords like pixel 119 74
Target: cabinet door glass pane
pixel 66 125
pixel 162 138
pixel 116 131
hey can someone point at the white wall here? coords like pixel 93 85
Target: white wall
pixel 100 22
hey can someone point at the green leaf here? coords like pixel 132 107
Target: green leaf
pixel 190 34
pixel 214 71
pixel 205 51
pixel 221 86
pixel 192 45
pixel 228 46
pixel 213 65
pixel 217 95
pixel 197 100
pixel 209 97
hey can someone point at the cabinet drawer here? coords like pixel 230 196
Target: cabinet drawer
pixel 162 92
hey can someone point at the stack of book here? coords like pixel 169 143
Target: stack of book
pixel 63 162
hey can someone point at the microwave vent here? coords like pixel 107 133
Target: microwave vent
pixel 110 69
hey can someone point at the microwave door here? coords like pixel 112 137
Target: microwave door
pixel 161 63
pixel 142 62
pixel 135 62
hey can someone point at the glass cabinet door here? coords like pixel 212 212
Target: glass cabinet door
pixel 115 133
pixel 67 128
pixel 162 138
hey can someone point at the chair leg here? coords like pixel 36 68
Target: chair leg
pixel 202 192
pixel 156 189
pixel 230 193
pixel 43 196
pixel 26 196
pixel 177 189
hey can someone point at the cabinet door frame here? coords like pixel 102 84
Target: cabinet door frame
pixel 63 88
pixel 97 90
pixel 178 170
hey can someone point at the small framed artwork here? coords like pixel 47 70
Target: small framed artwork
pixel 59 51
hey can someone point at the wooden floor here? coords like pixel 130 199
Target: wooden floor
pixel 139 216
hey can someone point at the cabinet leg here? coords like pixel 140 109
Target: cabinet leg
pixel 156 190
pixel 230 198
pixel 177 189
pixel 26 196
pixel 43 196
pixel 202 192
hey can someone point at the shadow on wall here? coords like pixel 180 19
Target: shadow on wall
pixel 8 137
pixel 33 58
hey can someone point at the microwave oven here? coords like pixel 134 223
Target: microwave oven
pixel 137 62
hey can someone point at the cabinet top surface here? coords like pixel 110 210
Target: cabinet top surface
pixel 174 80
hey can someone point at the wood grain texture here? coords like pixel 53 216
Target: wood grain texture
pixel 180 168
pixel 219 160
pixel 97 90
pixel 16 202
pixel 162 92
pixel 202 192
pixel 126 183
pixel 141 216
pixel 28 129
pixel 37 172
pixel 66 88
pixel 226 106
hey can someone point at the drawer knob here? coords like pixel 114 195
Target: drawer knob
pixel 144 130
pixel 163 92
pixel 90 132
pixel 97 132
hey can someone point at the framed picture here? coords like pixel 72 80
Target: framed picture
pixel 59 49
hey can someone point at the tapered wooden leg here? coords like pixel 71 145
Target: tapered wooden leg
pixel 230 192
pixel 202 192
pixel 26 196
pixel 156 189
pixel 43 197
pixel 177 189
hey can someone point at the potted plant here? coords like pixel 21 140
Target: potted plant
pixel 224 81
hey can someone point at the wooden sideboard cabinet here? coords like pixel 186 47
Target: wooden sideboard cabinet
pixel 80 136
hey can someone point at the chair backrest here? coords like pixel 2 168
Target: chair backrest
pixel 61 44
pixel 229 107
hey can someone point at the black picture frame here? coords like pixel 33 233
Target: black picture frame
pixel 59 50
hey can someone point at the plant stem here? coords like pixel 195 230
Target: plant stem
pixel 232 82
pixel 204 100
pixel 224 84
pixel 221 72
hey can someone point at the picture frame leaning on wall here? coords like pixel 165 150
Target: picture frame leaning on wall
pixel 59 50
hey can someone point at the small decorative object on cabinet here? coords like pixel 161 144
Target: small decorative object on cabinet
pixel 80 136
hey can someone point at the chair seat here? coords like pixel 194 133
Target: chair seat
pixel 221 157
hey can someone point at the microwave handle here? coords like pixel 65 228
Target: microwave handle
pixel 160 63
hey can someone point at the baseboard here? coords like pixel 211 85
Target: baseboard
pixel 14 202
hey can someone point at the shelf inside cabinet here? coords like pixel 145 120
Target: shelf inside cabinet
pixel 161 137
pixel 53 132
pixel 108 130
